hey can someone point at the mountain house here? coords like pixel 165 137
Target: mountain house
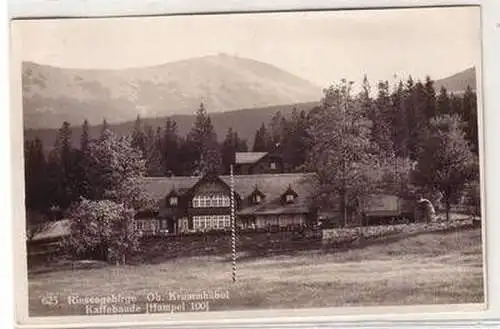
pixel 253 163
pixel 262 201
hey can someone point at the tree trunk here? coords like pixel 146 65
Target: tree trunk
pixel 344 208
pixel 447 204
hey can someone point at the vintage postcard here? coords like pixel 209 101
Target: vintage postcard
pixel 319 161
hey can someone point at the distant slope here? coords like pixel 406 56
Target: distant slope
pixel 52 95
pixel 245 122
pixel 94 101
pixel 458 83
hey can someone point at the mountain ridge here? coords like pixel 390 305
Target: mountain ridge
pixel 126 103
pixel 458 82
pixel 245 122
pixel 222 82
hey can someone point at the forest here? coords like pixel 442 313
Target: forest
pixel 402 139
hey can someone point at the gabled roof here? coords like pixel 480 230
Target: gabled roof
pixel 273 186
pixel 159 187
pixel 249 157
pixel 174 192
pixel 290 191
pixel 213 178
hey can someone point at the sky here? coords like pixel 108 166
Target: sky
pixel 322 47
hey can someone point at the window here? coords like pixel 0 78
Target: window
pixel 147 225
pixel 272 165
pixel 289 198
pixel 173 201
pixel 257 198
pixel 183 225
pixel 212 222
pixel 213 201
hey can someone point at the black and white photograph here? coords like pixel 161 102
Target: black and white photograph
pixel 251 161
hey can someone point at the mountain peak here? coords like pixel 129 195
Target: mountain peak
pixel 223 82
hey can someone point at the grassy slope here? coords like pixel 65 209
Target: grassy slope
pixel 425 269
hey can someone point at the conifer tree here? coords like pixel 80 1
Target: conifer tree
pixel 37 198
pixel 229 149
pixel 83 187
pixel 430 98
pixel 276 129
pixel 85 137
pixel 242 145
pixel 138 136
pixel 262 140
pixel 232 144
pixel 35 176
pixel 104 127
pixel 381 118
pixel 443 102
pixel 365 100
pixel 456 105
pixel 203 139
pixel 62 168
pixel 419 120
pixel 470 115
pixel 171 149
pixel 295 141
pixel 154 152
pixel 399 121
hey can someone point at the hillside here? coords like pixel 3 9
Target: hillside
pixel 458 83
pixel 245 122
pixel 91 100
pixel 52 95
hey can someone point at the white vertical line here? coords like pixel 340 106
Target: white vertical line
pixel 233 228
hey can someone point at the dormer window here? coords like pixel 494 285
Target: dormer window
pixel 272 165
pixel 257 198
pixel 174 200
pixel 289 196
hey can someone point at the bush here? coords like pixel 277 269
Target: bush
pixel 103 228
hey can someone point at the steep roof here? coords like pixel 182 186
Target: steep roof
pixel 158 187
pixel 276 207
pixel 382 202
pixel 249 157
pixel 273 186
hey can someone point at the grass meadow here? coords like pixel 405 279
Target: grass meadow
pixel 432 268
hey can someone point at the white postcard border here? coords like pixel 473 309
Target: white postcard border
pixel 421 313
